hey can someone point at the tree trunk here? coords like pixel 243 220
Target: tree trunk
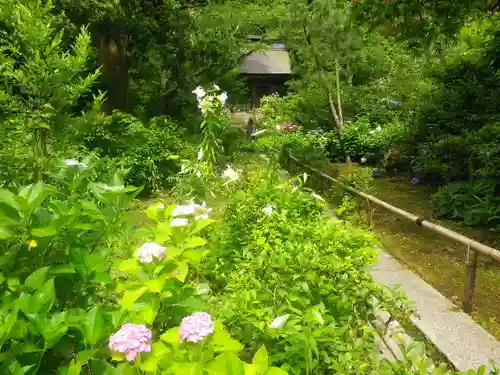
pixel 113 56
pixel 335 112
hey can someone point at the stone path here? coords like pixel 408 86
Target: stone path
pixel 466 344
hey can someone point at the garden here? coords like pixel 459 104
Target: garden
pixel 143 232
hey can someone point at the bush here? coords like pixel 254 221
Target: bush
pixel 146 151
pixel 282 271
pixel 476 203
pixel 368 141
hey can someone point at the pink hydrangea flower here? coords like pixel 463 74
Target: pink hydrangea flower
pixel 288 127
pixel 196 327
pixel 131 339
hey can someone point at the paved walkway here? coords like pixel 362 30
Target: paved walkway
pixel 454 333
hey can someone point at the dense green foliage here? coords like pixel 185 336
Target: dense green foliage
pixel 103 101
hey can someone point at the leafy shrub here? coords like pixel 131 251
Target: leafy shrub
pixel 476 203
pixel 42 85
pixel 368 141
pixel 62 301
pixel 146 151
pixel 282 272
pixel 360 179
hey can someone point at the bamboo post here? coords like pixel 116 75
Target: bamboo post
pixel 470 282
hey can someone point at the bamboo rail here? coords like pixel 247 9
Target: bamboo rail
pixel 473 247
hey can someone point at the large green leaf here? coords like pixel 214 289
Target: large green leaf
pixel 8 323
pixel 37 278
pixel 130 265
pixel 189 369
pixel 8 198
pixel 260 360
pixel 225 364
pixel 151 361
pixel 94 325
pixel 130 296
pixel 223 342
pixel 5 233
pixel 52 329
pixel 44 297
pixel 194 242
pixel 171 336
pixel 44 231
pixel 37 193
pixel 275 371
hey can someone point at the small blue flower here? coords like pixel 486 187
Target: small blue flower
pixel 395 103
pixel 375 172
pixel 414 181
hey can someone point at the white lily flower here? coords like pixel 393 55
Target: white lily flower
pixel 150 251
pixel 75 163
pixel 363 160
pixel 71 162
pixel 318 197
pixel 200 153
pixel 222 98
pixel 258 132
pixel 230 174
pixel 279 322
pixel 179 222
pixel 268 210
pixel 200 92
pixel 198 174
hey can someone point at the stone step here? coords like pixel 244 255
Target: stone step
pixel 461 340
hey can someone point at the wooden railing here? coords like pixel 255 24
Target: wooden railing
pixel 473 247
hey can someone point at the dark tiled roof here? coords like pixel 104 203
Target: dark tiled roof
pixel 273 61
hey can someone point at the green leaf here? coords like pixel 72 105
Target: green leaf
pixel 195 256
pixel 53 329
pixel 8 198
pixel 130 296
pixel 130 265
pixel 156 285
pixel 194 242
pixel 172 253
pixel 225 364
pixel 44 232
pixel 201 224
pixel 223 342
pixel 7 324
pixel 4 233
pixel 37 278
pixel 275 371
pixel 153 210
pixel 158 352
pixel 189 369
pixel 171 336
pixel 94 325
pixel 181 271
pixel 44 297
pixel 164 232
pixel 250 369
pixel 23 370
pixel 37 193
pixel 148 313
pixel 261 360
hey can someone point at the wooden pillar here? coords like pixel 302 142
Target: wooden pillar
pixel 255 94
pixel 470 283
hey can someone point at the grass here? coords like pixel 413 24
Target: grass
pixel 439 261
